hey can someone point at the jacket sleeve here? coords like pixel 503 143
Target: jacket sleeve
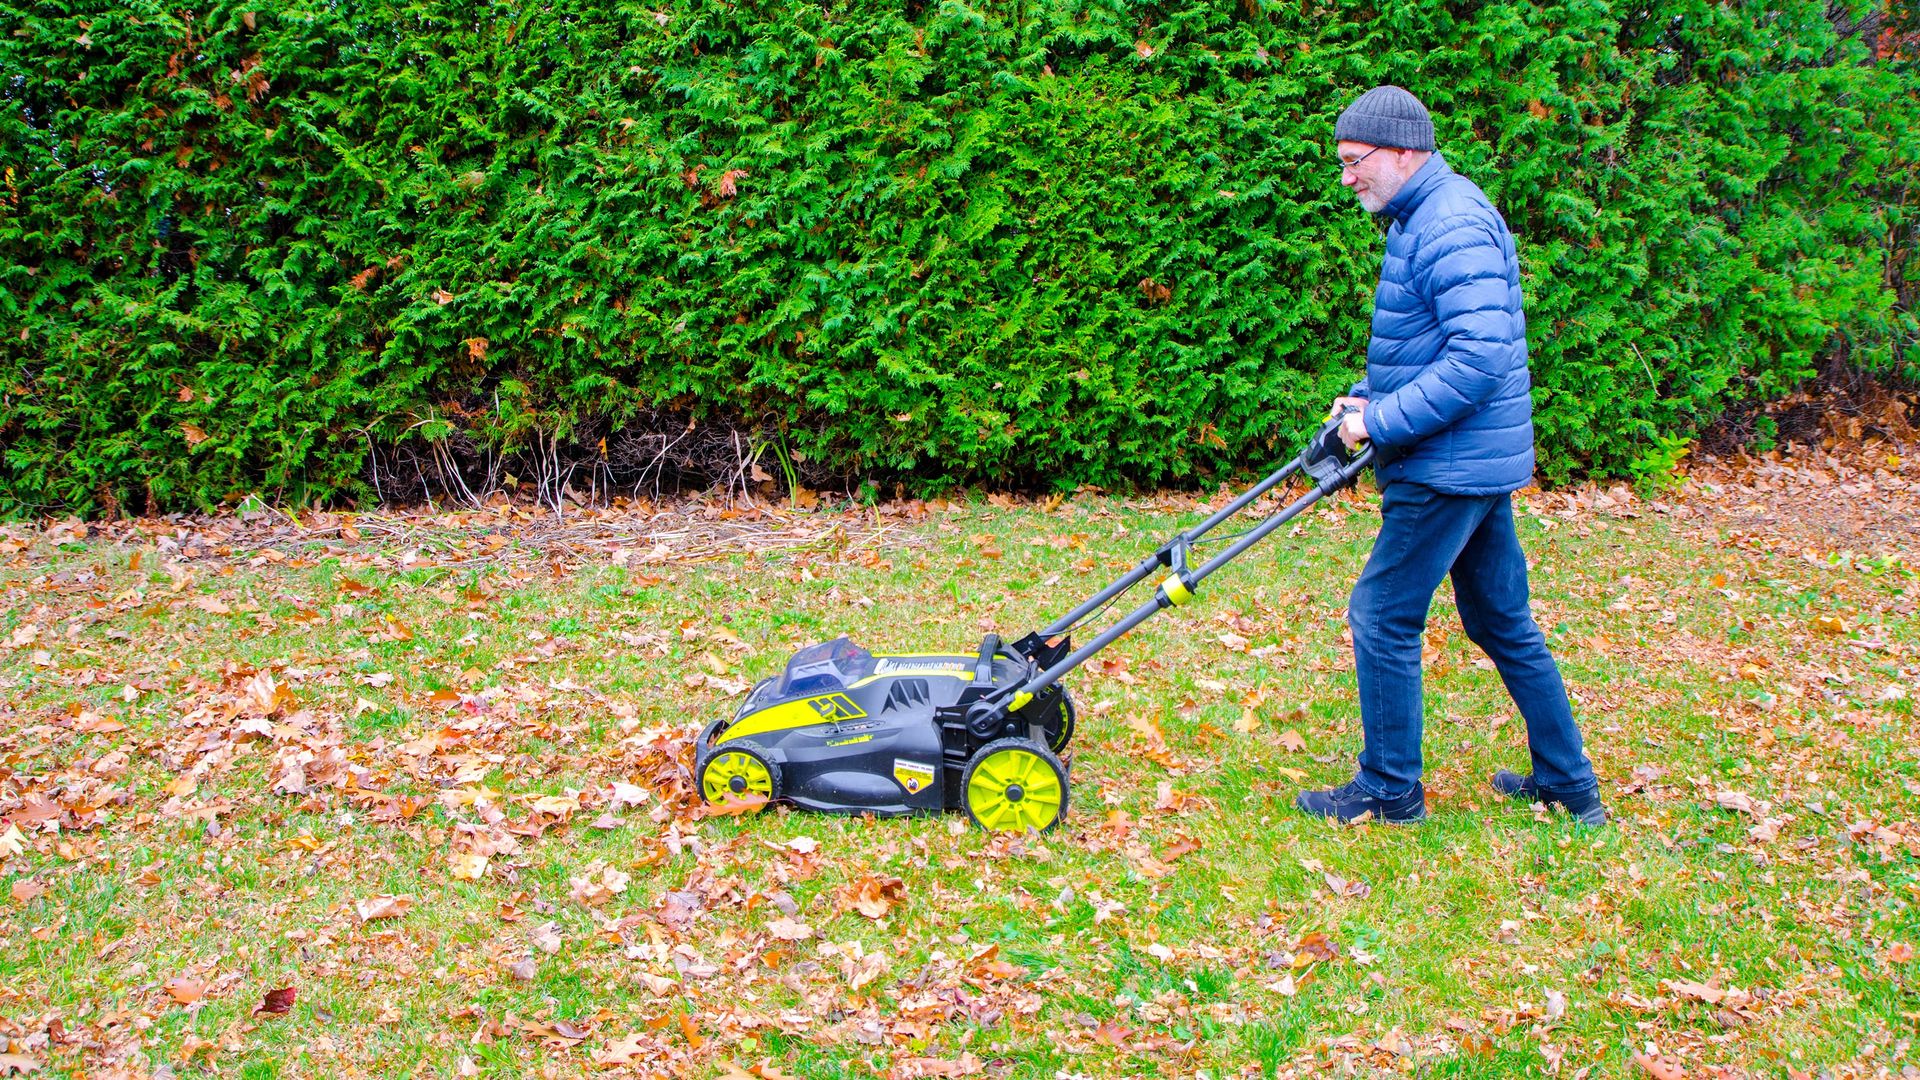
pixel 1462 269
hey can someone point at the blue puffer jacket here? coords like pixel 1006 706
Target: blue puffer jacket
pixel 1447 384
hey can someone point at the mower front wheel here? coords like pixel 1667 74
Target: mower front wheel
pixel 738 770
pixel 1015 785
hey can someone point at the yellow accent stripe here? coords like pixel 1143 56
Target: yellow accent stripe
pixel 915 672
pixel 1176 591
pixel 1020 700
pixel 788 715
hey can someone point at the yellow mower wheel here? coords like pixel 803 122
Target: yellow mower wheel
pixel 1062 733
pixel 738 770
pixel 1013 785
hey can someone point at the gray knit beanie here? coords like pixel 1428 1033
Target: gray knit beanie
pixel 1386 116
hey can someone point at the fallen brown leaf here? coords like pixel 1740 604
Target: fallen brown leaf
pixel 1660 1068
pixel 467 866
pixel 733 807
pixel 382 907
pixel 1712 995
pixel 873 896
pixel 789 930
pixel 185 989
pixel 621 1051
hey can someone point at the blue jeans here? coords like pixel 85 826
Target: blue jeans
pixel 1424 536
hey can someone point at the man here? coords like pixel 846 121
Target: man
pixel 1445 403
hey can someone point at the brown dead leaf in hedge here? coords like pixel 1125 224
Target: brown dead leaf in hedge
pixel 873 896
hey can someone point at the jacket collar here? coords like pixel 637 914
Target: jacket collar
pixel 1418 187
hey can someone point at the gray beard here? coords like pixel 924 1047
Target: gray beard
pixel 1375 200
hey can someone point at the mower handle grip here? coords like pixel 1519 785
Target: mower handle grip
pixel 1329 435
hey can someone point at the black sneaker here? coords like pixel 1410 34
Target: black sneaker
pixel 1584 804
pixel 1349 805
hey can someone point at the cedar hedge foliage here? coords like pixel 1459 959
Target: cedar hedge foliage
pixel 1029 244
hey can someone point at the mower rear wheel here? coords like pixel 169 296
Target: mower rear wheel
pixel 1013 785
pixel 1060 731
pixel 737 770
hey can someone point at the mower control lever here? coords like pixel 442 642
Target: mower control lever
pixel 1327 457
pixel 1174 552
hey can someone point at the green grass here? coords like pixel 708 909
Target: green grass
pixel 1488 941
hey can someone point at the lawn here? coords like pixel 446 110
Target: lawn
pixel 408 795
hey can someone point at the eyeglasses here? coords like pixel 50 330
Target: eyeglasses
pixel 1355 163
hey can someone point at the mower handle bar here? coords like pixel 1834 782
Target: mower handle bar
pixel 1320 459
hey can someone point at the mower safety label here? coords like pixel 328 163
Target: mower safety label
pixel 912 775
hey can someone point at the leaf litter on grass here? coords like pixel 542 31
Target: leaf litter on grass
pixel 517 859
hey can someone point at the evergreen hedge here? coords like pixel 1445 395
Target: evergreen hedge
pixel 1037 243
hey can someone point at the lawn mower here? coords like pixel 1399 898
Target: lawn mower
pixel 845 730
